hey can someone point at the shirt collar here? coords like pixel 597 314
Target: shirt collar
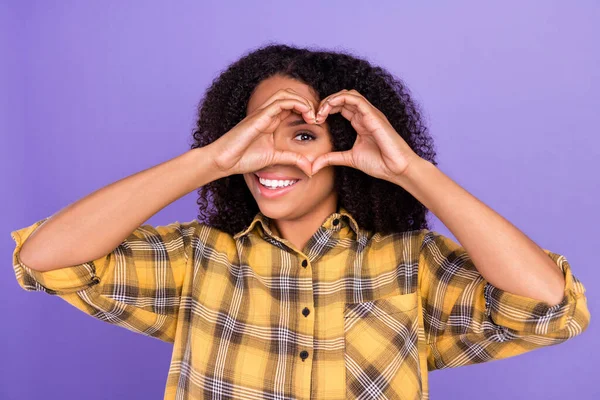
pixel 341 215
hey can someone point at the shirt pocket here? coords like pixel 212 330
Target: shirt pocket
pixel 381 339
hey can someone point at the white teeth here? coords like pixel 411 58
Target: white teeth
pixel 273 184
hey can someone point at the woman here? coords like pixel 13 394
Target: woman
pixel 315 274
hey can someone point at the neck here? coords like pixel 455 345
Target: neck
pixel 298 231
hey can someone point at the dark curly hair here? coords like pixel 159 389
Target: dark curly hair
pixel 376 204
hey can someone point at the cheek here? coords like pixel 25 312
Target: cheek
pixel 324 179
pixel 248 181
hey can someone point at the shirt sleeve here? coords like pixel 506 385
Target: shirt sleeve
pixel 137 286
pixel 467 320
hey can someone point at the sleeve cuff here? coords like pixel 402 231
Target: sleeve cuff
pixel 58 281
pixel 524 314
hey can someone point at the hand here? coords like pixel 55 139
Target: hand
pixel 249 146
pixel 378 150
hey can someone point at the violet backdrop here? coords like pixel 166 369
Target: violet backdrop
pixel 93 91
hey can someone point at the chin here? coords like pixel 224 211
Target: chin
pixel 276 211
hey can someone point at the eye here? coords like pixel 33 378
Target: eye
pixel 305 134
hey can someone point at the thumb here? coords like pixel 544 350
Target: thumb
pixel 297 159
pixel 331 158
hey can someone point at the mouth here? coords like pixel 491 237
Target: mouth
pixel 275 188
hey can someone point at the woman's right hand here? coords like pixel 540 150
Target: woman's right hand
pixel 249 146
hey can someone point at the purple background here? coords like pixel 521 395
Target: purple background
pixel 95 91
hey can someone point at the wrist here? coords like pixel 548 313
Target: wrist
pixel 204 161
pixel 412 172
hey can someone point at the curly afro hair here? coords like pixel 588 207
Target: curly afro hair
pixel 376 204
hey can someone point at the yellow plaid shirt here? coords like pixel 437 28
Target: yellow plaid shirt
pixel 355 314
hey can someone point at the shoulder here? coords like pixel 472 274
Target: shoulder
pixel 207 238
pixel 402 246
pixel 407 238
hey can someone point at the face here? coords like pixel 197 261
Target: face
pixel 306 196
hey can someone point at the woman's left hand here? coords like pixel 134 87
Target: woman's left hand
pixel 378 150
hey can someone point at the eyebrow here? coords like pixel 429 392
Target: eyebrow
pixel 301 121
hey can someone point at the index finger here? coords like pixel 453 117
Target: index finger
pixel 288 93
pixel 281 105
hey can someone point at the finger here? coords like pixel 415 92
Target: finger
pixel 351 100
pixel 276 121
pixel 324 101
pixel 287 93
pixel 332 158
pixel 302 98
pixel 290 93
pixel 274 110
pixel 348 114
pixel 353 91
pixel 309 116
pixel 333 95
pixel 347 111
pixel 296 159
pixel 327 108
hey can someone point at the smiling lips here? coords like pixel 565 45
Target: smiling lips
pixel 274 181
pixel 275 176
pixel 273 184
pixel 275 191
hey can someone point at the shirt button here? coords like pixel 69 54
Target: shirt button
pixel 306 311
pixel 303 355
pixel 336 221
pixel 95 280
pixel 304 263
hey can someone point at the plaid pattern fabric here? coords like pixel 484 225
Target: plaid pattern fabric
pixel 355 314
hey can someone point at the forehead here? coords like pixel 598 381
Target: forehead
pixel 268 87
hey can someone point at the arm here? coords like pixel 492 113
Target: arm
pixel 467 318
pixel 94 225
pixel 501 296
pixel 502 254
pixel 96 257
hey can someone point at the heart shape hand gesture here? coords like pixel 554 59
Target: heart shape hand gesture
pixel 378 150
pixel 250 146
